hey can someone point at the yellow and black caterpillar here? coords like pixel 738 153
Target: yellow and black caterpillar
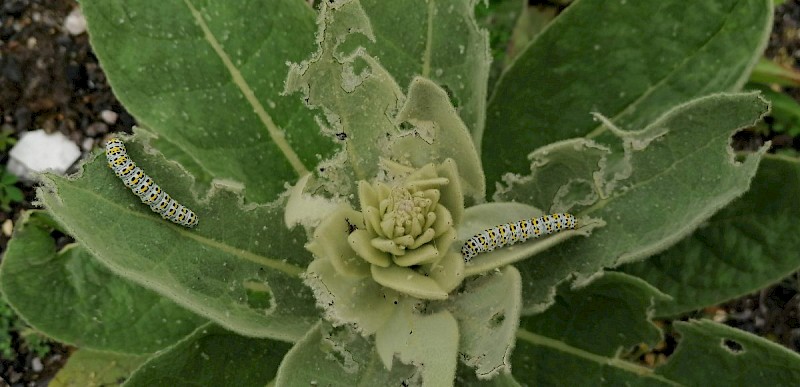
pixel 510 233
pixel 145 188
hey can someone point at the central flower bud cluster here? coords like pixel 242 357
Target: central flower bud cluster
pixel 403 235
pixel 402 221
pixel 405 214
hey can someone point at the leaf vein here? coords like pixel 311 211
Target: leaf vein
pixel 535 339
pixel 272 263
pixel 275 133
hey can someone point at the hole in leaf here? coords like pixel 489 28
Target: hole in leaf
pixel 497 319
pixel 61 239
pixel 451 96
pixel 259 295
pixel 361 67
pixel 733 346
pixel 405 126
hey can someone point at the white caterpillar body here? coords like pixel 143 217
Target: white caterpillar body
pixel 511 233
pixel 145 188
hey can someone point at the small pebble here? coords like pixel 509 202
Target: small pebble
pixel 87 144
pixel 109 116
pixel 36 364
pixel 96 128
pixel 31 42
pixel 75 23
pixel 8 227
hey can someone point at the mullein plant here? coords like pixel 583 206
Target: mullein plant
pixel 334 196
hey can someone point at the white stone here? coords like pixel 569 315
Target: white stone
pixel 109 116
pixel 8 227
pixel 36 364
pixel 37 151
pixel 87 144
pixel 75 23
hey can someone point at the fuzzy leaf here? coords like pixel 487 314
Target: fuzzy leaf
pixel 728 356
pixel 748 245
pixel 363 104
pixel 562 177
pixel 439 40
pixel 580 340
pixel 436 121
pixel 576 341
pixel 95 368
pixel 466 377
pixel 212 356
pixel 428 341
pixel 678 171
pixel 488 314
pixel 331 357
pixel 91 307
pixel 360 301
pixel 206 77
pixel 357 96
pixel 240 266
pixel 549 91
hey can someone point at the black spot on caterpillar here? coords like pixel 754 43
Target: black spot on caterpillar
pixel 145 188
pixel 511 233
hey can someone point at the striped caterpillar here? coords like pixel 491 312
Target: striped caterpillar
pixel 144 187
pixel 511 233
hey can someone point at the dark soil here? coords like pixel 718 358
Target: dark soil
pixel 51 80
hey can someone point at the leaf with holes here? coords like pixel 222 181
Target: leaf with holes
pixel 580 64
pixel 207 77
pixel 239 267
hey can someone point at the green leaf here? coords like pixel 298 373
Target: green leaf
pixel 363 103
pixel 440 135
pixel 240 266
pixel 439 40
pixel 488 314
pixel 14 194
pixel 361 301
pixel 499 18
pixel 748 245
pixel 579 340
pixel 531 22
pixel 90 307
pixel 95 368
pixel 338 357
pixel 769 72
pixel 207 78
pixel 561 177
pixel 357 96
pixel 549 91
pixel 427 341
pixel 213 356
pixel 785 111
pixel 7 178
pixel 656 194
pixel 466 377
pixel 728 357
